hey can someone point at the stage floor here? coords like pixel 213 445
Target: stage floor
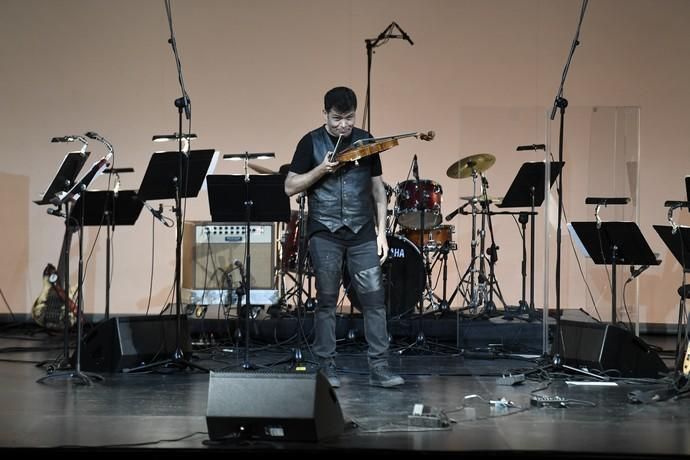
pixel 165 409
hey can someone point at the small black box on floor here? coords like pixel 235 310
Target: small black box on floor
pixel 276 407
pixel 130 341
pixel 606 347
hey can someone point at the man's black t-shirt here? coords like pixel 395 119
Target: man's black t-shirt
pixel 303 162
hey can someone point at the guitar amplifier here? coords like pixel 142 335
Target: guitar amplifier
pixel 210 249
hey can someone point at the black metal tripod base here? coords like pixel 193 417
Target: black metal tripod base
pixel 77 376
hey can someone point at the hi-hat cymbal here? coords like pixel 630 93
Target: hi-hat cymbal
pixel 262 170
pixel 463 168
pixel 480 199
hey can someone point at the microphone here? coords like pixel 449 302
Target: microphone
pixel 94 136
pixel 158 214
pixel 240 267
pixel 450 216
pixel 99 138
pixel 415 168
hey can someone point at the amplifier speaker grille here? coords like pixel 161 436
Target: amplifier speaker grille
pixel 209 249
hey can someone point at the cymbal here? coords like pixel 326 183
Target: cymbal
pixel 262 170
pixel 463 168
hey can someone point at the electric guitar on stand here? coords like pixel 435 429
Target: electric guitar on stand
pixel 48 310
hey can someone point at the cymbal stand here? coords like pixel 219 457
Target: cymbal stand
pixel 297 359
pixel 492 252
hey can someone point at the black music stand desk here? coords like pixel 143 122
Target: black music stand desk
pixel 678 243
pixel 613 243
pixel 159 182
pixel 227 195
pixel 65 176
pixel 527 188
pixel 103 207
pixel 527 191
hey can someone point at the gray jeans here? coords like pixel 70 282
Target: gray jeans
pixel 365 272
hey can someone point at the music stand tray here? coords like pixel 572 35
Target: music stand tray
pixel 614 243
pixel 678 243
pixel 65 176
pixel 531 174
pixel 632 247
pixel 164 168
pixel 227 195
pixel 102 207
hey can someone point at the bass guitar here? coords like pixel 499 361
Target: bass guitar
pixel 48 310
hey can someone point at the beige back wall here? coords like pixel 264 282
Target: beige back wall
pixel 256 72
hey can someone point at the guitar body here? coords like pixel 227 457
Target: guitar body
pixel 48 310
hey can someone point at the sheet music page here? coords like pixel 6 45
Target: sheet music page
pixel 577 241
pixel 211 169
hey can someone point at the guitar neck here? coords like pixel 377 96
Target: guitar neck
pixel 66 243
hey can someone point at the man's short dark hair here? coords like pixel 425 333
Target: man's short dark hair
pixel 341 98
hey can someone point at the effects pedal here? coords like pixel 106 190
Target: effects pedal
pixel 548 401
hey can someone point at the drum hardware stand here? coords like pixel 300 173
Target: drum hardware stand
pixel 523 306
pixel 297 356
pixel 420 339
pixel 477 290
pixel 439 303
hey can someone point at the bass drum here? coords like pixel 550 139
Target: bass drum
pixel 402 278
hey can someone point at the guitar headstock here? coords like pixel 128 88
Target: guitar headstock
pixel 428 136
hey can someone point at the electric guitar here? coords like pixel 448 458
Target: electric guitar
pixel 48 310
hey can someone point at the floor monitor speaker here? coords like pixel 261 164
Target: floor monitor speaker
pixel 277 407
pixel 130 341
pixel 606 348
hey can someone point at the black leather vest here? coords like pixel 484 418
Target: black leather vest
pixel 344 197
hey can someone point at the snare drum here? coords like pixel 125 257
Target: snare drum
pixel 414 200
pixel 433 238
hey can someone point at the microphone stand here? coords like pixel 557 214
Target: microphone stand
pixel 560 103
pixel 246 274
pixel 372 43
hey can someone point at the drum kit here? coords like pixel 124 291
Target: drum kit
pixel 417 241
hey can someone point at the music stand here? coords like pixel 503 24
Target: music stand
pixel 613 243
pixel 65 176
pixel 62 181
pixel 527 190
pixel 104 207
pixel 227 195
pixel 175 175
pixel 247 198
pixel 66 198
pixel 160 178
pixel 678 242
